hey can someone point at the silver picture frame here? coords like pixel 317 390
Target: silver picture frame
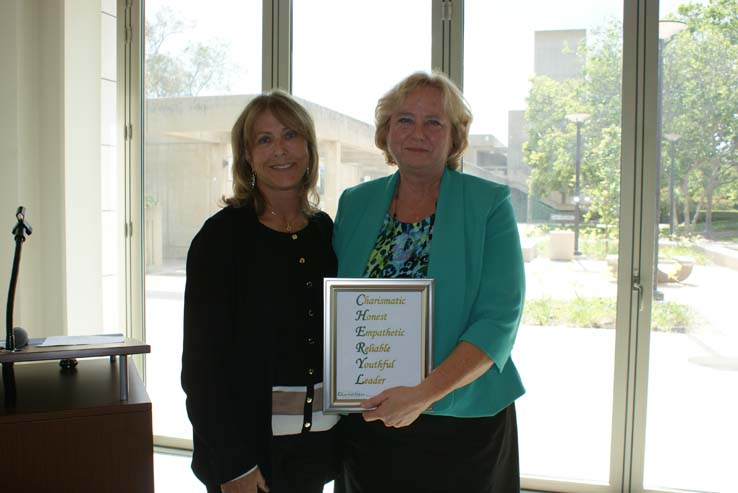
pixel 378 333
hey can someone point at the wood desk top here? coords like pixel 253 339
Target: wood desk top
pixel 37 353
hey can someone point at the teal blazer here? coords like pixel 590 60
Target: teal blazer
pixel 477 265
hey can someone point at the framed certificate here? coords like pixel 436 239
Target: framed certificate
pixel 378 334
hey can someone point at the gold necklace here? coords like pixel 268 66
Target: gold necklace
pixel 289 225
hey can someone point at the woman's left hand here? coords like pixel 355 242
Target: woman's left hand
pixel 397 406
pixel 400 406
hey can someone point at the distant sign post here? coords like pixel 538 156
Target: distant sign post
pixel 563 218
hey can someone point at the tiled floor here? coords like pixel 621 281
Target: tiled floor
pixel 172 474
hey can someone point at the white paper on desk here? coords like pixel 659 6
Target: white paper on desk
pixel 75 340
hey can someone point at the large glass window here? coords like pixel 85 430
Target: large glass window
pixel 346 56
pixel 202 65
pixel 691 429
pixel 544 82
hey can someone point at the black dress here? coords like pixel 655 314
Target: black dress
pixel 253 320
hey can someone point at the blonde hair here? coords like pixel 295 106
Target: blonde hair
pixel 455 106
pixel 291 114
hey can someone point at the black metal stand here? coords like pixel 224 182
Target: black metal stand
pixel 19 232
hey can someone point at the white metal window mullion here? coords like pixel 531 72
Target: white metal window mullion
pixel 638 215
pixel 447 45
pixel 647 243
pixel 277 45
pixel 124 65
pixel 447 39
pixel 130 115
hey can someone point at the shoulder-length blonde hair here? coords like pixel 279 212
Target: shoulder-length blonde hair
pixel 456 108
pixel 292 115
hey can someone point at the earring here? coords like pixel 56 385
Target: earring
pixel 253 180
pixel 307 171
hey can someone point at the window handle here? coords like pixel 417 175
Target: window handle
pixel 639 288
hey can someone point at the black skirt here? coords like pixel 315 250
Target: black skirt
pixel 437 454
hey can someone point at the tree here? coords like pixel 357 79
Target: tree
pixel 188 72
pixel 700 96
pixel 550 149
pixel 701 104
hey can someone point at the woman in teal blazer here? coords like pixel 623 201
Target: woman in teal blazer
pixel 429 220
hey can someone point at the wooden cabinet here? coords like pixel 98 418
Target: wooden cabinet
pixel 69 430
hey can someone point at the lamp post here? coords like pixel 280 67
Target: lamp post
pixel 578 119
pixel 667 30
pixel 672 138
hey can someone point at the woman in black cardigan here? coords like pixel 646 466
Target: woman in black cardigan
pixel 252 353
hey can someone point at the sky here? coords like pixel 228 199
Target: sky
pixel 347 53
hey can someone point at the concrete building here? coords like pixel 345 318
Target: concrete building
pixel 555 53
pixel 187 164
pixel 555 56
pixel 188 157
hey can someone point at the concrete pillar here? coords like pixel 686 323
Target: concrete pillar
pixel 82 170
pixel 330 161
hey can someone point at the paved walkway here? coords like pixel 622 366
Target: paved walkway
pixel 710 291
pixel 565 418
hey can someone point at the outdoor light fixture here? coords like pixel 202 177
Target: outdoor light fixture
pixel 667 30
pixel 578 119
pixel 672 138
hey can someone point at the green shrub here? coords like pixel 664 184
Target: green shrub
pixel 668 316
pixel 719 216
pixel 598 248
pixel 539 312
pixel 600 313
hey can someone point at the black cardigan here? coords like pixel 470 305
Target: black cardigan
pixel 238 287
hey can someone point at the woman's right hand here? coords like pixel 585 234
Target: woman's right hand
pixel 246 484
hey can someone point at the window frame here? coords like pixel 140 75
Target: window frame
pixel 636 248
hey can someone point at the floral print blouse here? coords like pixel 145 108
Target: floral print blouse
pixel 402 249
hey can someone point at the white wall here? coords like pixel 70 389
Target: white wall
pixel 82 176
pixel 28 163
pixel 9 173
pixel 112 174
pixel 30 136
pixel 50 161
pixel 51 115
